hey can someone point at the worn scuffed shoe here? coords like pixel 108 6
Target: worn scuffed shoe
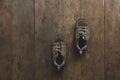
pixel 82 35
pixel 59 53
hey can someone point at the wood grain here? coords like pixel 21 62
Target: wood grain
pixel 93 60
pixel 5 39
pixel 46 29
pixel 112 40
pixel 54 15
pixel 71 13
pixel 29 27
pixel 23 47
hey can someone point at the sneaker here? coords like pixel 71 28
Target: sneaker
pixel 59 53
pixel 82 35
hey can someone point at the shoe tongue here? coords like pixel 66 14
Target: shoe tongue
pixel 82 41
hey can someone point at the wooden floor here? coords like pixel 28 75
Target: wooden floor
pixel 28 28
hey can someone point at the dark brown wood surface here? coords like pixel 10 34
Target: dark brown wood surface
pixel 29 27
pixel 23 40
pixel 64 15
pixel 93 60
pixel 112 40
pixel 46 28
pixel 5 39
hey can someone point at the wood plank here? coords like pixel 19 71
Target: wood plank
pixel 112 40
pixel 93 60
pixel 23 50
pixel 71 13
pixel 47 27
pixel 5 39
